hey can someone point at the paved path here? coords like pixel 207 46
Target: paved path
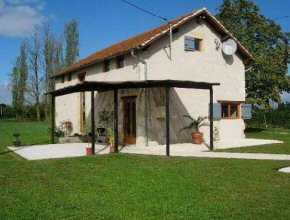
pixel 190 153
pixel 285 170
pixel 49 151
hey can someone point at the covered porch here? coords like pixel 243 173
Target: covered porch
pixel 98 86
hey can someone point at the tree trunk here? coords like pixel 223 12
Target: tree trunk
pixel 38 111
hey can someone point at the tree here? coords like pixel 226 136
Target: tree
pixel 23 71
pixel 18 80
pixel 268 44
pixel 14 82
pixel 36 84
pixel 72 42
pixel 288 38
pixel 58 58
pixel 53 61
pixel 48 55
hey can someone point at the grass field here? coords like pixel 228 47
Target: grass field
pixel 269 133
pixel 136 187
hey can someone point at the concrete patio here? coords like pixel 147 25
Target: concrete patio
pixel 50 151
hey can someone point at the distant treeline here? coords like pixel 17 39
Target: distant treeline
pixel 8 112
pixel 275 118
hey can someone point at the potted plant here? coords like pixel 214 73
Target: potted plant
pixel 88 135
pixel 16 141
pixel 111 140
pixel 195 124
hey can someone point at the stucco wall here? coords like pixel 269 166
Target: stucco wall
pixel 209 65
pixel 68 108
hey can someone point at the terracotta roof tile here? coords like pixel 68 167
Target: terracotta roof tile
pixel 144 39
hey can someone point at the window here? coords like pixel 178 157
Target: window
pixel 120 62
pixel 192 44
pixel 231 110
pixel 198 44
pixel 82 77
pixel 106 66
pixel 69 77
pixel 62 79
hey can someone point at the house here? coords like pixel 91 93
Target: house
pixel 192 53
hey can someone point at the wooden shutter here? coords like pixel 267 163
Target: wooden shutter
pixel 189 43
pixel 246 111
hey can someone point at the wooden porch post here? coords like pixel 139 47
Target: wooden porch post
pixel 211 118
pixel 93 120
pixel 52 111
pixel 167 89
pixel 116 117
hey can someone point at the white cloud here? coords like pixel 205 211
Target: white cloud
pixel 19 17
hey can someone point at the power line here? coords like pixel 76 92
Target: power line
pixel 144 10
pixel 278 18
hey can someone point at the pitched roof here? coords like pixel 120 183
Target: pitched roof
pixel 146 38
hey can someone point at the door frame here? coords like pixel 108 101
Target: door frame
pixel 124 99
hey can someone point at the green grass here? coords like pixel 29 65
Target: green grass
pixel 280 134
pixel 137 187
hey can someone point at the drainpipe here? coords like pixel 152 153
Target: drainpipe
pixel 146 94
pixel 142 61
pixel 170 38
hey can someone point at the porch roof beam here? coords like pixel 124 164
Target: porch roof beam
pixel 102 86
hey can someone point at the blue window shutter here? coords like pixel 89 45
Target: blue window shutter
pixel 189 43
pixel 246 111
pixel 217 111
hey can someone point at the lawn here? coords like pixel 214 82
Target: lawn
pixel 137 187
pixel 266 133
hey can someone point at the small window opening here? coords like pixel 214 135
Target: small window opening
pixel 62 79
pixel 198 44
pixel 120 62
pixel 106 66
pixel 82 77
pixel 69 77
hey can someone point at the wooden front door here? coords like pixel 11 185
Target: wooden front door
pixel 129 120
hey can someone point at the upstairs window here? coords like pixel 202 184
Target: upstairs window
pixel 120 62
pixel 106 66
pixel 192 44
pixel 62 79
pixel 69 77
pixel 82 77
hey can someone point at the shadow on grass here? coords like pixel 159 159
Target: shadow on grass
pixel 254 130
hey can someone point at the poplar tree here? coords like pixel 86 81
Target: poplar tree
pixel 14 83
pixel 36 79
pixel 72 42
pixel 59 63
pixel 268 44
pixel 48 56
pixel 18 79
pixel 23 71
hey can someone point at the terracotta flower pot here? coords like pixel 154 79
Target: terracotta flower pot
pixel 113 149
pixel 16 143
pixel 89 151
pixel 197 137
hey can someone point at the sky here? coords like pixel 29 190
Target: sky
pixel 101 22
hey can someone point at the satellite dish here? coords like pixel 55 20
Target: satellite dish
pixel 229 47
